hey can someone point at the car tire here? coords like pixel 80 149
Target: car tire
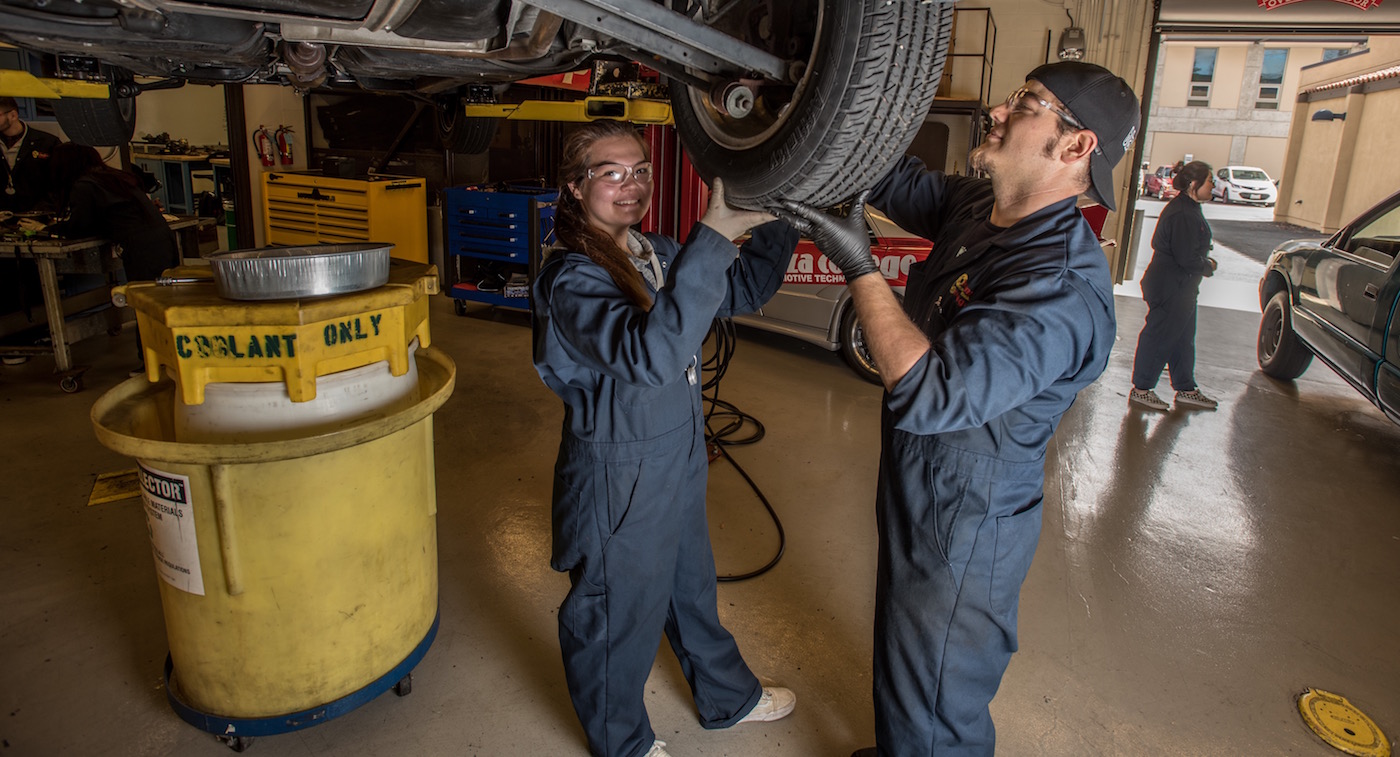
pixel 99 123
pixel 853 347
pixel 1281 353
pixel 872 72
pixel 459 132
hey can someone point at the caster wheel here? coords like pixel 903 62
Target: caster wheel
pixel 236 743
pixel 405 686
pixel 459 307
pixel 70 384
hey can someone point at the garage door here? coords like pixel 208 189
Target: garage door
pixel 1280 16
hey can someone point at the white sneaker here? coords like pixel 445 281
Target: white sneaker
pixel 656 750
pixel 775 704
pixel 1196 399
pixel 1148 398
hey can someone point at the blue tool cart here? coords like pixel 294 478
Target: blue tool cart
pixel 495 236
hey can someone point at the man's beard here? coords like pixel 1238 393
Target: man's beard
pixel 978 161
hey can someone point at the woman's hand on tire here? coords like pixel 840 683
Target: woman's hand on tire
pixel 731 222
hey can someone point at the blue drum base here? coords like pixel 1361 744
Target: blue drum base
pixel 246 727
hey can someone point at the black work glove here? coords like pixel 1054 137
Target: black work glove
pixel 844 241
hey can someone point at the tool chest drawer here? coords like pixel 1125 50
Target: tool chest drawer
pixel 494 237
pixel 306 208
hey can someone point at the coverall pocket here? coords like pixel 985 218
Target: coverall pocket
pixel 620 485
pixel 565 520
pixel 574 512
pixel 1017 536
pixel 954 513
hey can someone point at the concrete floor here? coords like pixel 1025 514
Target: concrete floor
pixel 1197 570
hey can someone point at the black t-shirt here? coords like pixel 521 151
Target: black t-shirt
pixel 940 287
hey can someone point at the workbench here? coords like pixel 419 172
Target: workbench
pixel 87 314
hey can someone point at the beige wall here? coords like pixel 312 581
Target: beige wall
pixel 1267 153
pixel 1341 168
pixel 1116 38
pixel 194 112
pixel 1168 148
pixel 1175 80
pixel 1179 57
pixel 1311 176
pixel 1375 172
pixel 1229 75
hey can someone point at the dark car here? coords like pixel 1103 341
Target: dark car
pixel 1337 300
pixel 1159 184
pixel 784 98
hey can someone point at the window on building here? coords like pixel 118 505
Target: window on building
pixel 1271 79
pixel 1202 73
pixel 1334 52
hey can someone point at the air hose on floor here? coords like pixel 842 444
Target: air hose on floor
pixel 733 420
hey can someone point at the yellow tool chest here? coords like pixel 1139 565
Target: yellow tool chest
pixel 301 208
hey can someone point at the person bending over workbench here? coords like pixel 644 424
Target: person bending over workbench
pixel 101 201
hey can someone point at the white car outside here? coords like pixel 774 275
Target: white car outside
pixel 1244 184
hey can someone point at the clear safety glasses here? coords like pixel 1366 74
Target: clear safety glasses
pixel 616 173
pixel 1020 99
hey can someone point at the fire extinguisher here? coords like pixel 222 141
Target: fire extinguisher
pixel 262 140
pixel 284 144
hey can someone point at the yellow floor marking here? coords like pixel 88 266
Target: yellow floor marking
pixel 114 487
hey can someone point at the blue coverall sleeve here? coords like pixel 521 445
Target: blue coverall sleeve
pixel 606 333
pixel 911 196
pixel 1000 351
pixel 763 260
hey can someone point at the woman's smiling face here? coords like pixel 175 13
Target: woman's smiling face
pixel 609 206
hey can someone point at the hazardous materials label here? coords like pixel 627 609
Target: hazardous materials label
pixel 170 519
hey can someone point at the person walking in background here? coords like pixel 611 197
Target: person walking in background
pixel 1170 286
pixel 619 319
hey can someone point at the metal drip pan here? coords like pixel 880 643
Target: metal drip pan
pixel 286 273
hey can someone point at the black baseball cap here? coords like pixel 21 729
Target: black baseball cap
pixel 1105 105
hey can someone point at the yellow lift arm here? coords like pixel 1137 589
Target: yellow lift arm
pixel 24 84
pixel 587 109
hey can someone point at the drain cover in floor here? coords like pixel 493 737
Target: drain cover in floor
pixel 1337 722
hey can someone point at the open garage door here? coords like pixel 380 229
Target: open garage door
pixel 1256 49
pixel 1279 17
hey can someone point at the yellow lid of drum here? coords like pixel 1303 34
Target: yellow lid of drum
pixel 197 337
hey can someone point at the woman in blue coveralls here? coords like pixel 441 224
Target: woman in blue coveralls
pixel 619 319
pixel 1180 258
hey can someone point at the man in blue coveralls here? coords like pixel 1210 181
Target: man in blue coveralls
pixel 1001 326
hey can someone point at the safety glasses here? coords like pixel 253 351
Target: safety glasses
pixel 1020 101
pixel 616 173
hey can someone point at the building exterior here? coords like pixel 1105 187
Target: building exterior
pixel 1228 100
pixel 1341 156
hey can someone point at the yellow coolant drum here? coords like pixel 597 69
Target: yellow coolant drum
pixel 297 552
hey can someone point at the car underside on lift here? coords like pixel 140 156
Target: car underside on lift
pixel 804 99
